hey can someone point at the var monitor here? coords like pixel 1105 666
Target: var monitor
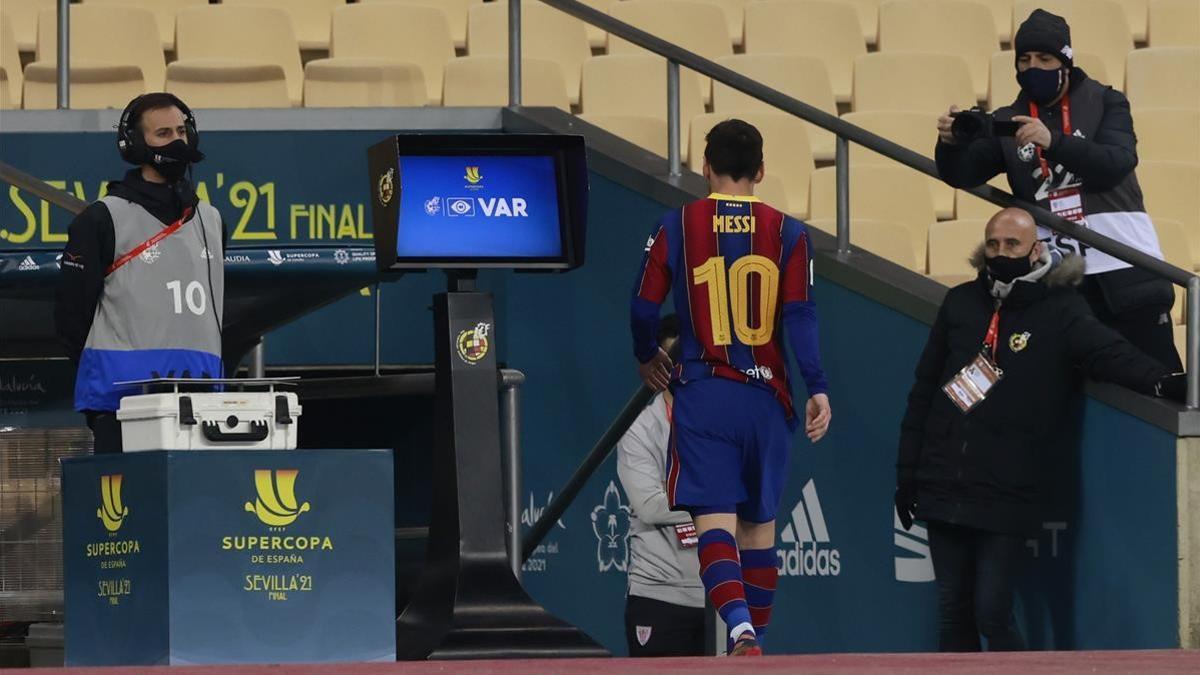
pixel 516 201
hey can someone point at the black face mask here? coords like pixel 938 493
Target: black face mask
pixel 1042 86
pixel 172 160
pixel 1005 270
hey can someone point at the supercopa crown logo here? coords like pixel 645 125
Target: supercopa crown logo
pixel 112 510
pixel 276 505
pixel 473 176
pixel 473 343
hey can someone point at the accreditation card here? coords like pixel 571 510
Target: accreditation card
pixel 971 385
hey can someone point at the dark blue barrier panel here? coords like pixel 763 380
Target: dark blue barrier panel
pixel 229 557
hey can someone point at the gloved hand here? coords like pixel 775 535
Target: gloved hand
pixel 1173 387
pixel 906 502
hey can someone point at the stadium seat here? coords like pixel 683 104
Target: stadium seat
pixel 951 244
pixel 969 207
pixel 636 85
pixel 1003 80
pixel 1135 14
pixel 10 61
pixel 483 81
pixel 6 99
pixel 24 17
pixel 648 133
pixel 226 83
pixel 912 81
pixel 883 193
pixel 1098 27
pixel 93 85
pixel 101 37
pixel 801 77
pixel 455 11
pixel 827 30
pixel 868 17
pixel 236 41
pixel 1167 133
pixel 1181 340
pixel 786 152
pixel 1174 23
pixel 886 239
pixel 1172 191
pixel 694 25
pixel 164 14
pixel 949 27
pixel 1176 247
pixel 1002 17
pixel 546 33
pixel 353 83
pixel 771 190
pixel 310 18
pixel 1164 77
pixel 735 17
pixel 912 130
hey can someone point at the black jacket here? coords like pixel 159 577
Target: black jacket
pixel 89 252
pixel 985 469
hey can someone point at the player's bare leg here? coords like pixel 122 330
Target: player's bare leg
pixel 721 572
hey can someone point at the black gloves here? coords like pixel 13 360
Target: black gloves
pixel 1173 387
pixel 906 501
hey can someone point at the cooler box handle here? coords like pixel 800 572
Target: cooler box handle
pixel 258 432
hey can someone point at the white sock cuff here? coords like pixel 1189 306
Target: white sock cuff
pixel 743 627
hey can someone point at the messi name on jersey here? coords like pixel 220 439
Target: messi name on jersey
pixel 725 224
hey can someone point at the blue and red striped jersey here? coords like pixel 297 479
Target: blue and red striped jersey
pixel 741 273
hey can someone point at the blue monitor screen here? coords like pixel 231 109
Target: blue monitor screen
pixel 478 206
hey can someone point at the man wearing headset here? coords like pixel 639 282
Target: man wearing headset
pixel 142 285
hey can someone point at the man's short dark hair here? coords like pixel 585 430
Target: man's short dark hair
pixel 152 101
pixel 734 148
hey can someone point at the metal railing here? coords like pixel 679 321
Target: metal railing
pixel 848 133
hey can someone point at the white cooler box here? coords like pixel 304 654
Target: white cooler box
pixel 242 420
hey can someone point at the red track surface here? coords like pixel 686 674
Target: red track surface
pixel 1175 661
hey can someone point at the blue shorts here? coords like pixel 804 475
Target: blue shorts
pixel 730 443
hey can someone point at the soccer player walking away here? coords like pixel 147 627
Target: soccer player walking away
pixel 741 273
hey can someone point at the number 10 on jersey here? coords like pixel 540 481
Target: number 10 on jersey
pixel 734 295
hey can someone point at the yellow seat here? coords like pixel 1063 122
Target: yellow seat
pixel 735 15
pixel 394 34
pixel 969 207
pixel 226 36
pixel 164 14
pixel 1171 191
pixel 786 152
pixel 483 81
pixel 883 193
pixel 363 83
pixel 694 25
pixel 229 83
pixel 912 81
pixel 888 240
pixel 1003 88
pixel 949 27
pixel 1002 17
pixel 1098 27
pixel 801 77
pixel 546 34
pixel 93 85
pixel 868 17
pixel 455 11
pixel 1164 77
pixel 911 130
pixel 1167 133
pixel 951 244
pixel 1174 23
pixel 636 85
pixel 648 133
pixel 1136 15
pixel 310 18
pixel 1176 247
pixel 772 191
pixel 10 61
pixel 23 14
pixel 829 31
pixel 6 99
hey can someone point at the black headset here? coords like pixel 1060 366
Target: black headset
pixel 132 144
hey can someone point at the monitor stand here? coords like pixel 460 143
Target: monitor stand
pixel 468 604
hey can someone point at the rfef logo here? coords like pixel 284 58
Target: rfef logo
pixel 806 550
pixel 473 343
pixel 112 510
pixel 276 504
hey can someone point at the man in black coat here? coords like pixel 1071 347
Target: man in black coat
pixel 976 477
pixel 1074 154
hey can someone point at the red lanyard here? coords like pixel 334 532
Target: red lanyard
pixel 993 334
pixel 158 236
pixel 1066 123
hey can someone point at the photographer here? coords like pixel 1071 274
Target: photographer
pixel 1072 151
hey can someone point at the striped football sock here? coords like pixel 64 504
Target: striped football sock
pixel 722 576
pixel 759 575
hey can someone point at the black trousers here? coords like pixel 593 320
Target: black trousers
pixel 106 432
pixel 1148 328
pixel 656 628
pixel 975 573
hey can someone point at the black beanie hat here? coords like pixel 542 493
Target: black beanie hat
pixel 1044 32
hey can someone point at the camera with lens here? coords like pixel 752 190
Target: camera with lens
pixel 969 125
